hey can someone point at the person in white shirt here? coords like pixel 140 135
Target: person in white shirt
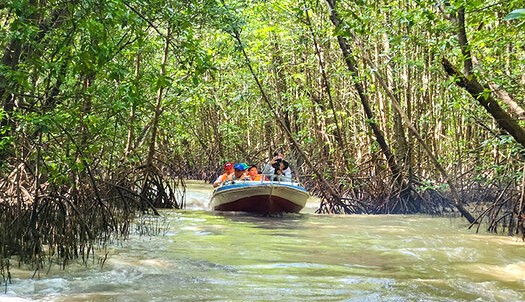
pixel 278 165
pixel 228 170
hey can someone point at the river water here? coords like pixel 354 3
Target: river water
pixel 209 256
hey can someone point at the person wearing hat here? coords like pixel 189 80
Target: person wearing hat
pixel 239 172
pixel 228 170
pixel 245 166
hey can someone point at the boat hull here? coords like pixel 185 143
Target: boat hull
pixel 266 197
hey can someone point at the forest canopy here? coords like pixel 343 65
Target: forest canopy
pixel 380 106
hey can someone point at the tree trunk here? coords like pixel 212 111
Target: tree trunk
pixel 483 95
pixel 131 128
pixel 505 97
pixel 158 106
pixel 395 103
pixel 335 196
pixel 463 41
pixel 326 87
pixel 358 85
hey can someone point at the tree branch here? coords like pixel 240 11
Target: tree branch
pixel 483 95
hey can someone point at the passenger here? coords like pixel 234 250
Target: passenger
pixel 228 170
pixel 245 166
pixel 253 173
pixel 239 172
pixel 274 164
pixel 282 169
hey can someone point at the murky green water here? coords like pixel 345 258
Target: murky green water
pixel 207 256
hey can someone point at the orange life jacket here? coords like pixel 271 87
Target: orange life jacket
pixel 224 177
pixel 232 177
pixel 256 177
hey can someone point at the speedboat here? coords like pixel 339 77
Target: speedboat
pixel 262 197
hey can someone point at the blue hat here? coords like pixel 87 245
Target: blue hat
pixel 240 167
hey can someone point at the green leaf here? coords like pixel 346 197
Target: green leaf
pixel 515 14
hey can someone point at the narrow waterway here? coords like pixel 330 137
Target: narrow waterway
pixel 208 256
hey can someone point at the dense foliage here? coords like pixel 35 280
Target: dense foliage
pixel 105 100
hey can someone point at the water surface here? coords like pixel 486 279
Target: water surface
pixel 209 256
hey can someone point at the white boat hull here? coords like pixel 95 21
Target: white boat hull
pixel 264 197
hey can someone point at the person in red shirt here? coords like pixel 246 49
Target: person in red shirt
pixel 228 170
